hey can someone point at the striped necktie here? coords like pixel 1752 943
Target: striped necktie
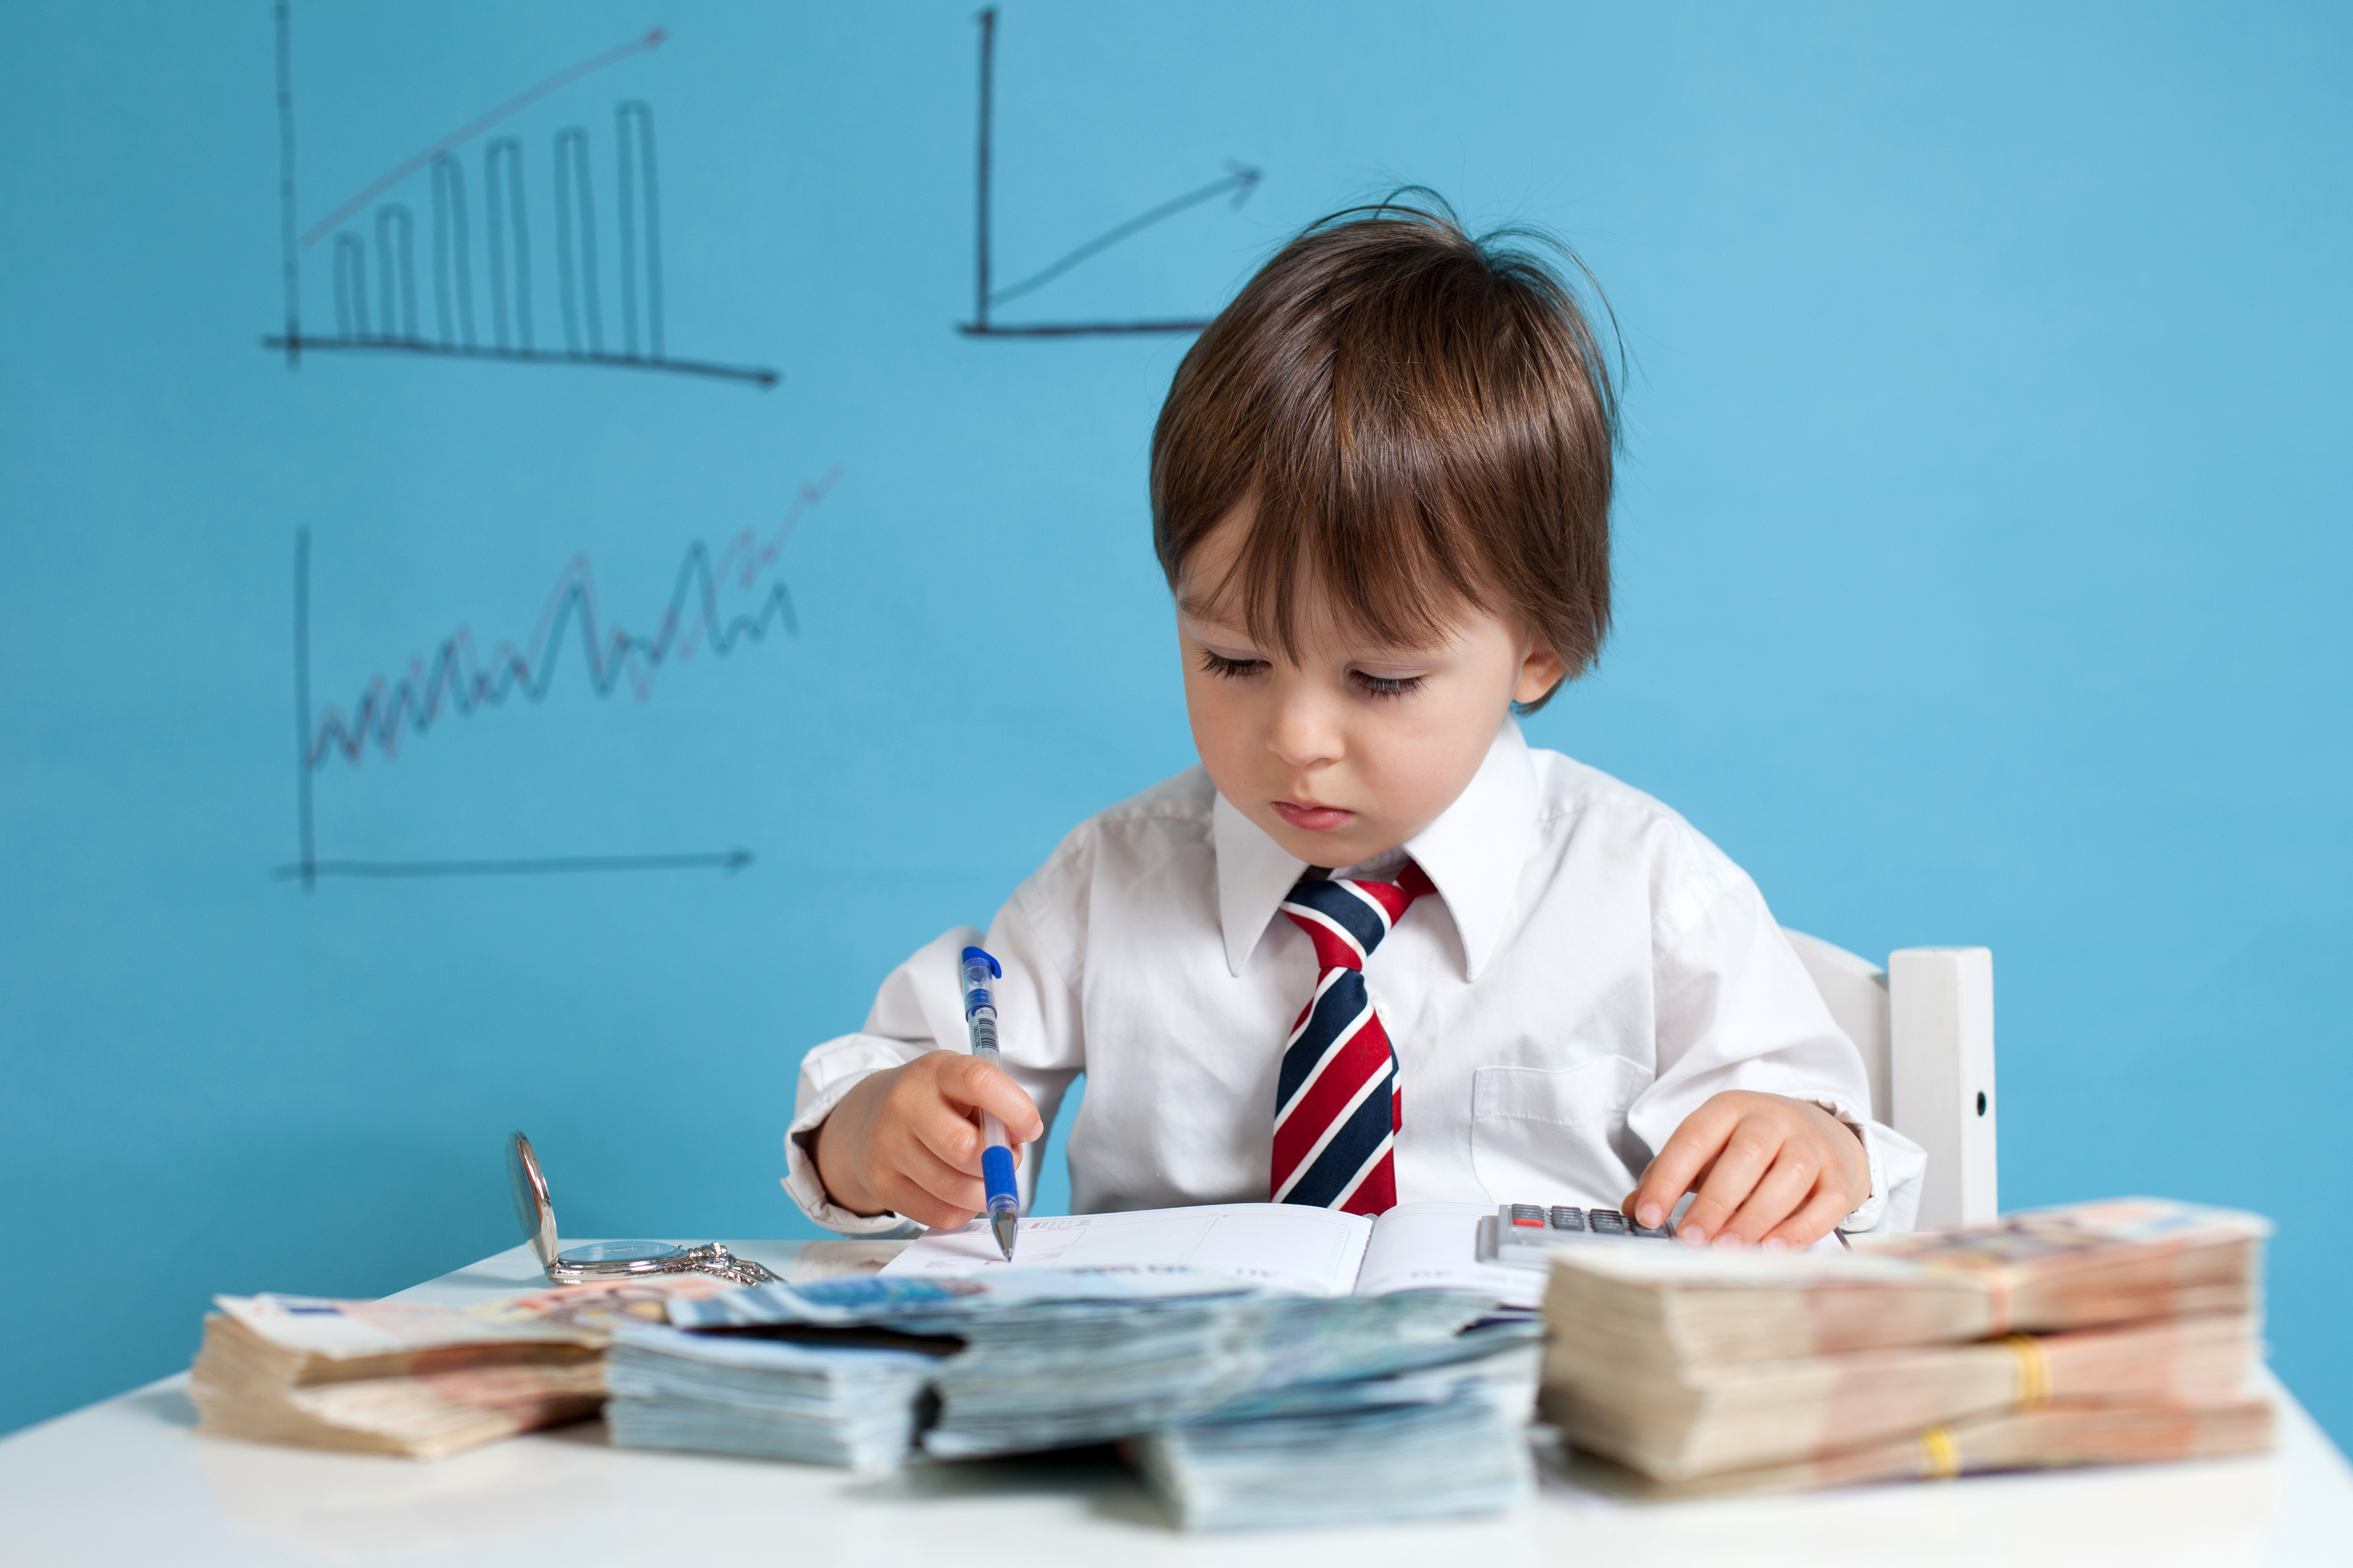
pixel 1336 1105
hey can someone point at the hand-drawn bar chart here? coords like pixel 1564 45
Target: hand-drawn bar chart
pixel 373 268
pixel 457 680
pixel 1237 186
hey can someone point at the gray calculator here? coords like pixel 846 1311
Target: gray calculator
pixel 1524 1235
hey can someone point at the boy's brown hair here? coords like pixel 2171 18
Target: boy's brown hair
pixel 1420 421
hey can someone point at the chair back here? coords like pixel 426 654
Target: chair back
pixel 1924 1027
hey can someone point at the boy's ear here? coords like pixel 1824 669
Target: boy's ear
pixel 1540 670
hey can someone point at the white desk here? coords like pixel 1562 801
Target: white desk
pixel 128 1481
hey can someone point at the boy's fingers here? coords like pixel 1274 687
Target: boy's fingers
pixel 1783 1189
pixel 1816 1219
pixel 932 1193
pixel 1694 1147
pixel 950 1136
pixel 1747 1154
pixel 983 1086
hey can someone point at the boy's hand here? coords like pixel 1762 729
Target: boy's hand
pixel 1768 1170
pixel 906 1140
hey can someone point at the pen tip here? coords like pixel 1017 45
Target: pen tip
pixel 1003 1225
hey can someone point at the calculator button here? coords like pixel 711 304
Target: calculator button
pixel 1527 1214
pixel 1566 1218
pixel 1656 1232
pixel 1608 1222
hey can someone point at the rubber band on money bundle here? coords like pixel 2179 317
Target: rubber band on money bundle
pixel 2033 1369
pixel 1940 1457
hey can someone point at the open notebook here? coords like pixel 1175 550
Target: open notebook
pixel 1291 1247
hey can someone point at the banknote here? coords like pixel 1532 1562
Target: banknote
pixel 1725 1418
pixel 852 1406
pixel 1794 1370
pixel 416 1378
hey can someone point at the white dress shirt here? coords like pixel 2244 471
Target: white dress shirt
pixel 1588 973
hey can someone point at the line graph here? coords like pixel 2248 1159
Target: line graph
pixel 387 321
pixel 1240 180
pixel 458 680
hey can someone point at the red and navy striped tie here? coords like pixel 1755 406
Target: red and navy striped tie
pixel 1336 1105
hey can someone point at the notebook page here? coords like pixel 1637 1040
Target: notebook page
pixel 1435 1246
pixel 1288 1247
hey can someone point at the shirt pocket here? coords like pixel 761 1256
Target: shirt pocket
pixel 1546 1135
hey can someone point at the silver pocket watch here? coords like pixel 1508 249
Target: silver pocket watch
pixel 607 1259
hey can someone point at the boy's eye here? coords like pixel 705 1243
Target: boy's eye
pixel 1218 664
pixel 1386 685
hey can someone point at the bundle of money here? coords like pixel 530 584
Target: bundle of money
pixel 412 1378
pixel 1056 1378
pixel 1433 1444
pixel 852 1405
pixel 1246 1406
pixel 1051 1359
pixel 2050 1437
pixel 2119 1329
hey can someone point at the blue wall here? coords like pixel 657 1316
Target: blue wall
pixel 1983 543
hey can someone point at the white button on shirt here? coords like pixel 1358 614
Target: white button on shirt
pixel 1589 971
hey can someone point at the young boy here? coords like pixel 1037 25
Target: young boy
pixel 1374 949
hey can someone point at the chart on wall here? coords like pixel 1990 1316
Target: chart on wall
pixel 373 232
pixel 717 601
pixel 526 235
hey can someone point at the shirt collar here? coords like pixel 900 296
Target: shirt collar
pixel 1473 852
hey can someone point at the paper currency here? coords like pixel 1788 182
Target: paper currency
pixel 832 1404
pixel 2039 1271
pixel 1801 1370
pixel 1369 1458
pixel 2053 1437
pixel 1725 1418
pixel 412 1378
pixel 1058 1357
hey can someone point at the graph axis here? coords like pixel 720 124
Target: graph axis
pixel 1238 184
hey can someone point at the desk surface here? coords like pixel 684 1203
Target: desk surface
pixel 128 1481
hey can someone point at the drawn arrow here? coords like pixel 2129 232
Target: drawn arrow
pixel 728 860
pixel 1241 182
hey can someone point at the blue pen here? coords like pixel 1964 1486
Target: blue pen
pixel 977 969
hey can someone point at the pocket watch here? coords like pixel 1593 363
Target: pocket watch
pixel 607 1259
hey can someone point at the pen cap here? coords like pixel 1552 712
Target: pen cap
pixel 977 969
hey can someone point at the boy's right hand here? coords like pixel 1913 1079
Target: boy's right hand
pixel 906 1140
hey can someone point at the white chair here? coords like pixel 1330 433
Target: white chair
pixel 1925 1025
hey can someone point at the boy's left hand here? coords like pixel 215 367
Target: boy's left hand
pixel 1768 1169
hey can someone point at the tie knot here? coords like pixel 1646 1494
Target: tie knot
pixel 1347 919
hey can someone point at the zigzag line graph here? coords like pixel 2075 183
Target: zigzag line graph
pixel 456 678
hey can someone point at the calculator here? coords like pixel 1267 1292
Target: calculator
pixel 1524 1235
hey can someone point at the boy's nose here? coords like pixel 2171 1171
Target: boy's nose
pixel 1303 731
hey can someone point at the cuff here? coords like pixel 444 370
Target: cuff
pixel 807 1189
pixel 1873 1209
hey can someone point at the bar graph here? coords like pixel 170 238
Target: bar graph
pixel 381 309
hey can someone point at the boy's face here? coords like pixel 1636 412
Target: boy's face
pixel 1353 748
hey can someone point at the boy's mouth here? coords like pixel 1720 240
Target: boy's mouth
pixel 1312 818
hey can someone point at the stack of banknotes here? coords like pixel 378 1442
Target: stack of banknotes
pixel 2125 1330
pixel 1243 1405
pixel 414 1378
pixel 852 1406
pixel 1436 1441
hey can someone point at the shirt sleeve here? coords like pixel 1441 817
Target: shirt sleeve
pixel 1735 1010
pixel 920 1009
